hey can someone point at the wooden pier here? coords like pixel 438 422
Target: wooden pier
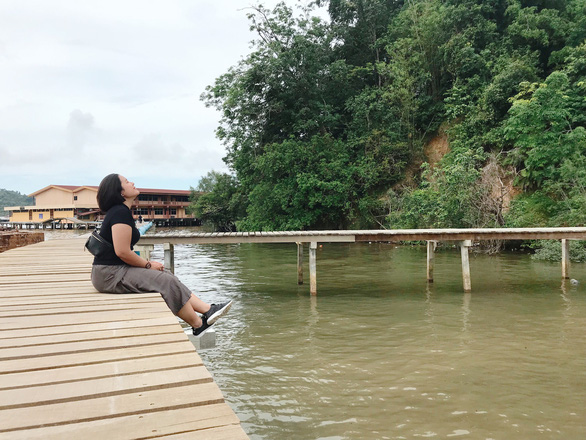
pixel 60 223
pixel 464 238
pixel 77 364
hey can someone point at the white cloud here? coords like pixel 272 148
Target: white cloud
pixel 92 88
pixel 80 131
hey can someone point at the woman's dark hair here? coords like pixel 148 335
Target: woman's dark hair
pixel 110 192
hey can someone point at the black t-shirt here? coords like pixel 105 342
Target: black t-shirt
pixel 116 214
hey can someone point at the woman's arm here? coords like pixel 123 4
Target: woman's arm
pixel 121 238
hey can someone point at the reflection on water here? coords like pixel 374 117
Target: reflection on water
pixel 381 354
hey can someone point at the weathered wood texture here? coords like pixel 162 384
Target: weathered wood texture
pixel 76 364
pixel 351 236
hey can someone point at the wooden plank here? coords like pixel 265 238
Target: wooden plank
pixel 69 319
pixel 8 311
pixel 95 357
pixel 264 238
pixel 34 331
pixel 41 395
pixel 43 339
pixel 192 422
pixel 26 271
pixel 165 362
pixel 39 288
pixel 183 396
pixel 37 352
pixel 76 300
pixel 46 278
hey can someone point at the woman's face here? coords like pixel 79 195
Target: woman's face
pixel 128 189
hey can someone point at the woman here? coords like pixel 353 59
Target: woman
pixel 123 271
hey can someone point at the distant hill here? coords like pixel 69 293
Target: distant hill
pixel 12 198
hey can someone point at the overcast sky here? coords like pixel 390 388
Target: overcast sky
pixel 91 88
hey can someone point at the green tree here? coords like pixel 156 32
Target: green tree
pixel 540 129
pixel 549 144
pixel 218 201
pixel 323 121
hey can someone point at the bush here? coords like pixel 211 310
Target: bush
pixel 551 250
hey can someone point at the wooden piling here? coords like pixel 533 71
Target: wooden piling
pixel 464 245
pixel 299 263
pixel 430 259
pixel 391 235
pixel 565 258
pixel 144 251
pixel 312 268
pixel 169 249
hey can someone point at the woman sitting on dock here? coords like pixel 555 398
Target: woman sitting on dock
pixel 123 271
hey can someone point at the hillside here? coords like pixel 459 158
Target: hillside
pixel 12 198
pixel 451 113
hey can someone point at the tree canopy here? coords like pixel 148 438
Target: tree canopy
pixel 326 123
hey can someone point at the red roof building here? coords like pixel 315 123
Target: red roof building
pixel 164 206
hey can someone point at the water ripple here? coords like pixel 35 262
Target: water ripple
pixel 380 354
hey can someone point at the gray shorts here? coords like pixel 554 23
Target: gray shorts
pixel 129 279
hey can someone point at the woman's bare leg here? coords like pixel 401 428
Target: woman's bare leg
pixel 198 305
pixel 189 316
pixel 188 311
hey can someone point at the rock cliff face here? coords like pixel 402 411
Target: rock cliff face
pixel 13 239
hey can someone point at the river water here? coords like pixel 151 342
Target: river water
pixel 380 354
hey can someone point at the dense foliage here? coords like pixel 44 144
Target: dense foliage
pixel 13 198
pixel 326 122
pixel 217 201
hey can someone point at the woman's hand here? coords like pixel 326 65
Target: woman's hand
pixel 157 266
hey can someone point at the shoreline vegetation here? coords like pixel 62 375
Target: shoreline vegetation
pixel 425 114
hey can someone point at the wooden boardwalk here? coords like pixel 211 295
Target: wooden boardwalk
pixel 77 364
pixel 463 237
pixel 353 236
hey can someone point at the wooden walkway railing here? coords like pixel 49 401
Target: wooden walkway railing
pixel 464 237
pixel 77 364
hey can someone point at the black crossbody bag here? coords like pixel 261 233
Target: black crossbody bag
pixel 97 245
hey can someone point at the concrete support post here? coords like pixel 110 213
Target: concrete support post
pixel 430 259
pixel 464 245
pixel 312 268
pixel 203 341
pixel 565 258
pixel 169 249
pixel 144 251
pixel 299 263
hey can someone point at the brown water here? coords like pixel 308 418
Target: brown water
pixel 379 354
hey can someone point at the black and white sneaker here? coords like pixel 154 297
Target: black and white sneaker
pixel 216 311
pixel 204 326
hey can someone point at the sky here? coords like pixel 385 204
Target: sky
pixel 92 88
